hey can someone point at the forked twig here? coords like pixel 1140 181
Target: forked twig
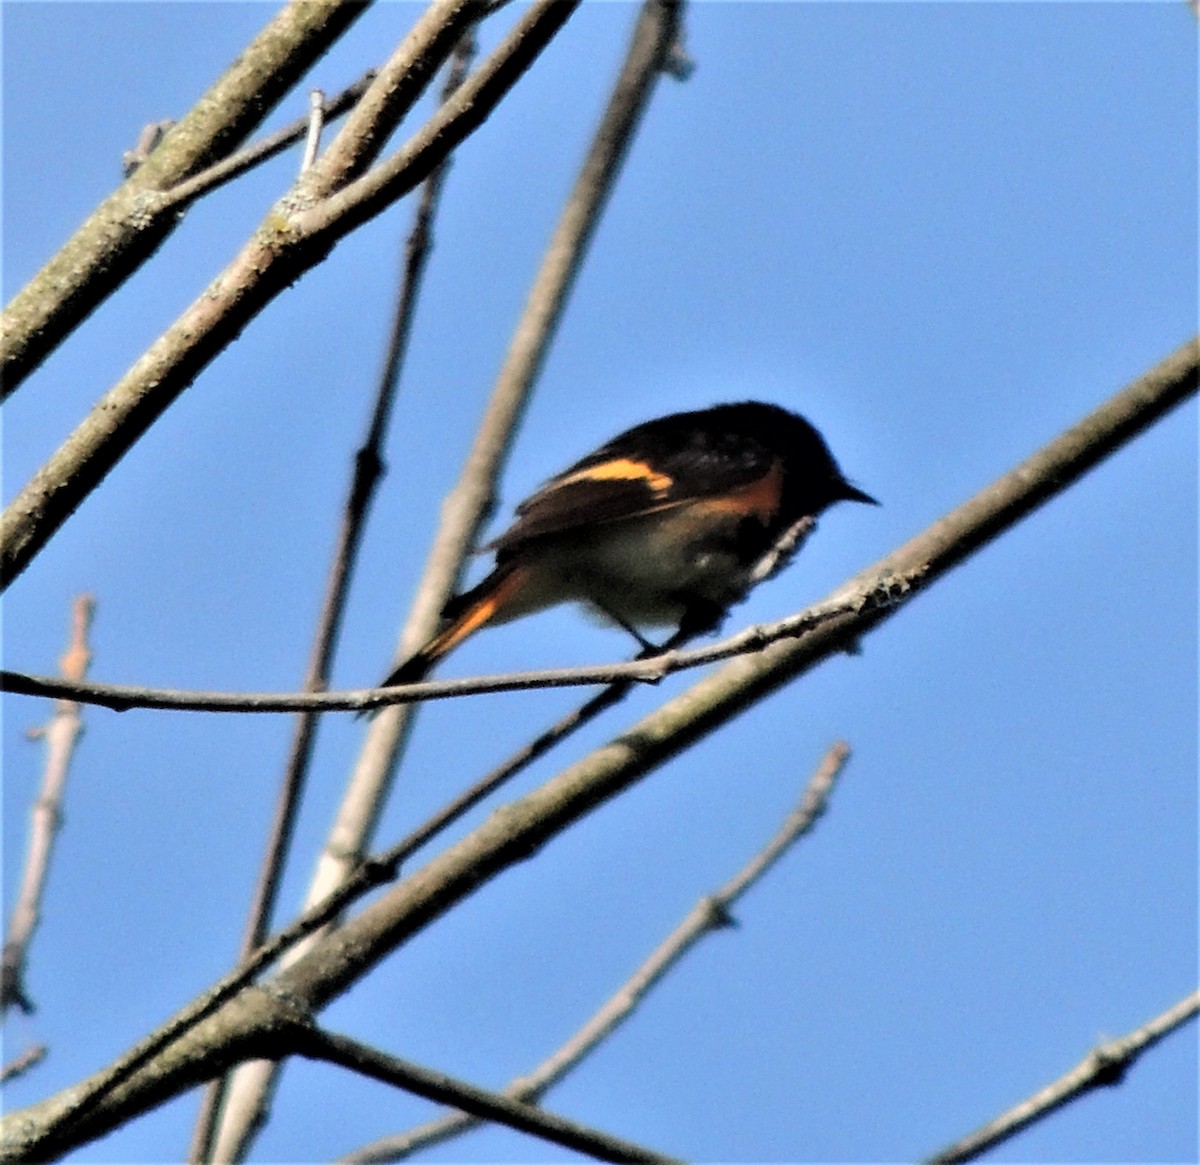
pixel 124 231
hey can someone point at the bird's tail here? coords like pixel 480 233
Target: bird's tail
pixel 463 616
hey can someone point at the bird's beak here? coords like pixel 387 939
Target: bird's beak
pixel 849 493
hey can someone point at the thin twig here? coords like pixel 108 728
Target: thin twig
pixel 146 144
pixel 19 1065
pixel 494 1106
pixel 711 913
pixel 516 763
pixel 184 193
pixel 367 470
pixel 61 736
pixel 316 122
pixel 1103 1067
pixel 647 668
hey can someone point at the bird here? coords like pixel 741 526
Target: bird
pixel 670 523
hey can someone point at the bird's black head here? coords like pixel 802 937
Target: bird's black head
pixel 814 481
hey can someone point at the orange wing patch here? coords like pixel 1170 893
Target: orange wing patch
pixel 759 499
pixel 620 469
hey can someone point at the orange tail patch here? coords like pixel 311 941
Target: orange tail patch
pixel 475 609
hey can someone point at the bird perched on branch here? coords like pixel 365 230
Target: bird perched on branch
pixel 668 524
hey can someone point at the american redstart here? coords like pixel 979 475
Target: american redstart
pixel 669 523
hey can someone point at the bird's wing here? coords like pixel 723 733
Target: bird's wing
pixel 642 472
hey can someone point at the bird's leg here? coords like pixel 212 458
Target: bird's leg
pixel 700 618
pixel 648 649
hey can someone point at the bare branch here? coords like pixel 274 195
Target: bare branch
pixel 25 1062
pixel 280 251
pixel 316 122
pixel 1103 1067
pixel 495 1106
pixel 647 668
pixel 61 737
pixel 712 912
pixel 124 231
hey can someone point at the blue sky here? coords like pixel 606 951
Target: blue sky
pixel 943 232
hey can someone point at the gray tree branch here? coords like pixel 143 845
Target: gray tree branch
pixel 367 471
pixel 126 229
pixel 482 1103
pixel 650 669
